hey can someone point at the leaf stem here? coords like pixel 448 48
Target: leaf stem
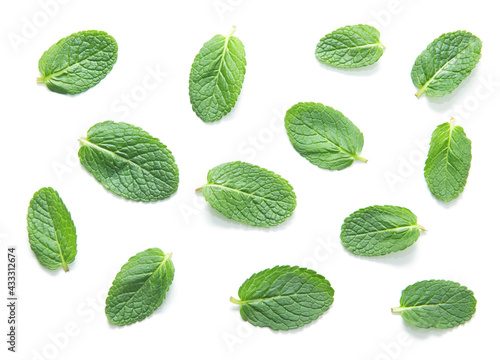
pixel 233 29
pixel 200 188
pixel 357 157
pixel 421 91
pixel 236 301
pixel 398 309
pixel 40 80
pixel 421 227
pixel 65 266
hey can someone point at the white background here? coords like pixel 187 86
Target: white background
pixel 62 314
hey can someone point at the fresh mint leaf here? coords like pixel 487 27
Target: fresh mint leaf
pixel 78 62
pixel 350 47
pixel 51 231
pixel 129 162
pixel 446 62
pixel 140 287
pixel 379 230
pixel 217 76
pixel 436 304
pixel 448 162
pixel 249 194
pixel 323 135
pixel 284 297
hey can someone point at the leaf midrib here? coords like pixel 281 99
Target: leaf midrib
pixel 249 301
pixel 222 60
pixel 239 191
pixel 63 260
pixel 391 229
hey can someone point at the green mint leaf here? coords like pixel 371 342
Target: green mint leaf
pixel 140 287
pixel 249 194
pixel 448 162
pixel 446 62
pixel 78 62
pixel 436 304
pixel 350 47
pixel 323 135
pixel 129 162
pixel 217 76
pixel 51 231
pixel 379 230
pixel 284 297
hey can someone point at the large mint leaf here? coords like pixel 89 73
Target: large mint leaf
pixel 140 287
pixel 446 62
pixel 249 194
pixel 284 297
pixel 217 76
pixel 379 230
pixel 437 304
pixel 323 135
pixel 51 231
pixel 129 162
pixel 350 47
pixel 78 62
pixel 448 162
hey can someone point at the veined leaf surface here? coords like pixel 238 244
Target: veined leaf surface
pixel 217 76
pixel 129 162
pixel 51 231
pixel 445 63
pixel 249 194
pixel 140 287
pixel 379 230
pixel 284 297
pixel 448 162
pixel 350 47
pixel 78 62
pixel 437 304
pixel 323 135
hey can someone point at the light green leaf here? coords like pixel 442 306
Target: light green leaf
pixel 446 62
pixel 350 47
pixel 140 287
pixel 51 231
pixel 284 297
pixel 217 76
pixel 323 135
pixel 249 194
pixel 78 62
pixel 448 162
pixel 437 304
pixel 379 230
pixel 129 162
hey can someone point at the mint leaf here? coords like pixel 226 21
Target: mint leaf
pixel 379 230
pixel 129 162
pixel 323 135
pixel 446 62
pixel 284 297
pixel 51 231
pixel 140 287
pixel 249 194
pixel 78 62
pixel 448 162
pixel 350 47
pixel 436 304
pixel 217 76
